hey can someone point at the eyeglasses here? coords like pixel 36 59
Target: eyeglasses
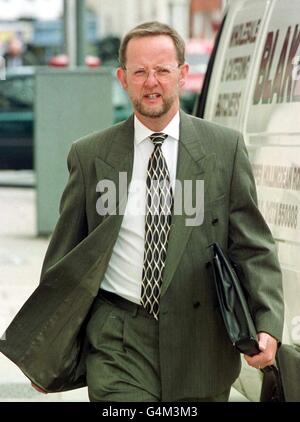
pixel 162 72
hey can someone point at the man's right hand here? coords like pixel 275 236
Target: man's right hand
pixel 39 389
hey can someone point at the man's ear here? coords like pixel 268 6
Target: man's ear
pixel 121 75
pixel 184 70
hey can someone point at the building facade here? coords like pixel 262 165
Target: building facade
pixel 32 9
pixel 119 16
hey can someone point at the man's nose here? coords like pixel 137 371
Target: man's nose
pixel 151 78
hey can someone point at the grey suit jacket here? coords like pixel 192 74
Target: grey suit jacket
pixel 47 337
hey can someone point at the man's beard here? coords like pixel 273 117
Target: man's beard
pixel 144 111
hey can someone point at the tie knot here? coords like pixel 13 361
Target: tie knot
pixel 158 138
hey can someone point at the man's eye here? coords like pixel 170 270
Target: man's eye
pixel 163 71
pixel 139 72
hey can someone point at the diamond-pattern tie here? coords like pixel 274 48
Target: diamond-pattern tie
pixel 159 204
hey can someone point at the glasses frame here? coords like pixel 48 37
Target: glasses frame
pixel 144 78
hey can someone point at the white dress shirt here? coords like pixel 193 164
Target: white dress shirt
pixel 124 272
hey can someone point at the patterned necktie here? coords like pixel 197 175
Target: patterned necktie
pixel 159 204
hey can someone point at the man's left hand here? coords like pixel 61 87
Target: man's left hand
pixel 266 356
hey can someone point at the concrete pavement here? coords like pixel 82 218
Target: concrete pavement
pixel 21 257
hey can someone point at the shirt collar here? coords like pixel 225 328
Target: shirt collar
pixel 141 132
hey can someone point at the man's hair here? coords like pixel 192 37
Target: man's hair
pixel 152 29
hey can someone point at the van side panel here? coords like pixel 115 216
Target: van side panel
pixel 255 88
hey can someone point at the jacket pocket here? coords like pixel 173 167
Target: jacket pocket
pixel 215 202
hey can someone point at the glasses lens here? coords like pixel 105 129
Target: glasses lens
pixel 162 73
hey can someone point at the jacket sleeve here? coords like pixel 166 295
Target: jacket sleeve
pixel 71 227
pixel 253 248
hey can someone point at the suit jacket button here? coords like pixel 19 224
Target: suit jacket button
pixel 208 265
pixel 215 221
pixel 196 305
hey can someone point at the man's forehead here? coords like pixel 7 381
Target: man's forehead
pixel 150 45
pixel 154 40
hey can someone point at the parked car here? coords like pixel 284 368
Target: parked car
pixel 17 117
pixel 253 84
pixel 62 60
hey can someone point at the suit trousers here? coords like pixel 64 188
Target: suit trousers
pixel 123 360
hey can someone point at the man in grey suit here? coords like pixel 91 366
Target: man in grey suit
pixel 126 302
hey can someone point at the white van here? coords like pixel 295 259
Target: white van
pixel 253 85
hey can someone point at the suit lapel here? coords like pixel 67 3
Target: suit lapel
pixel 116 164
pixel 193 164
